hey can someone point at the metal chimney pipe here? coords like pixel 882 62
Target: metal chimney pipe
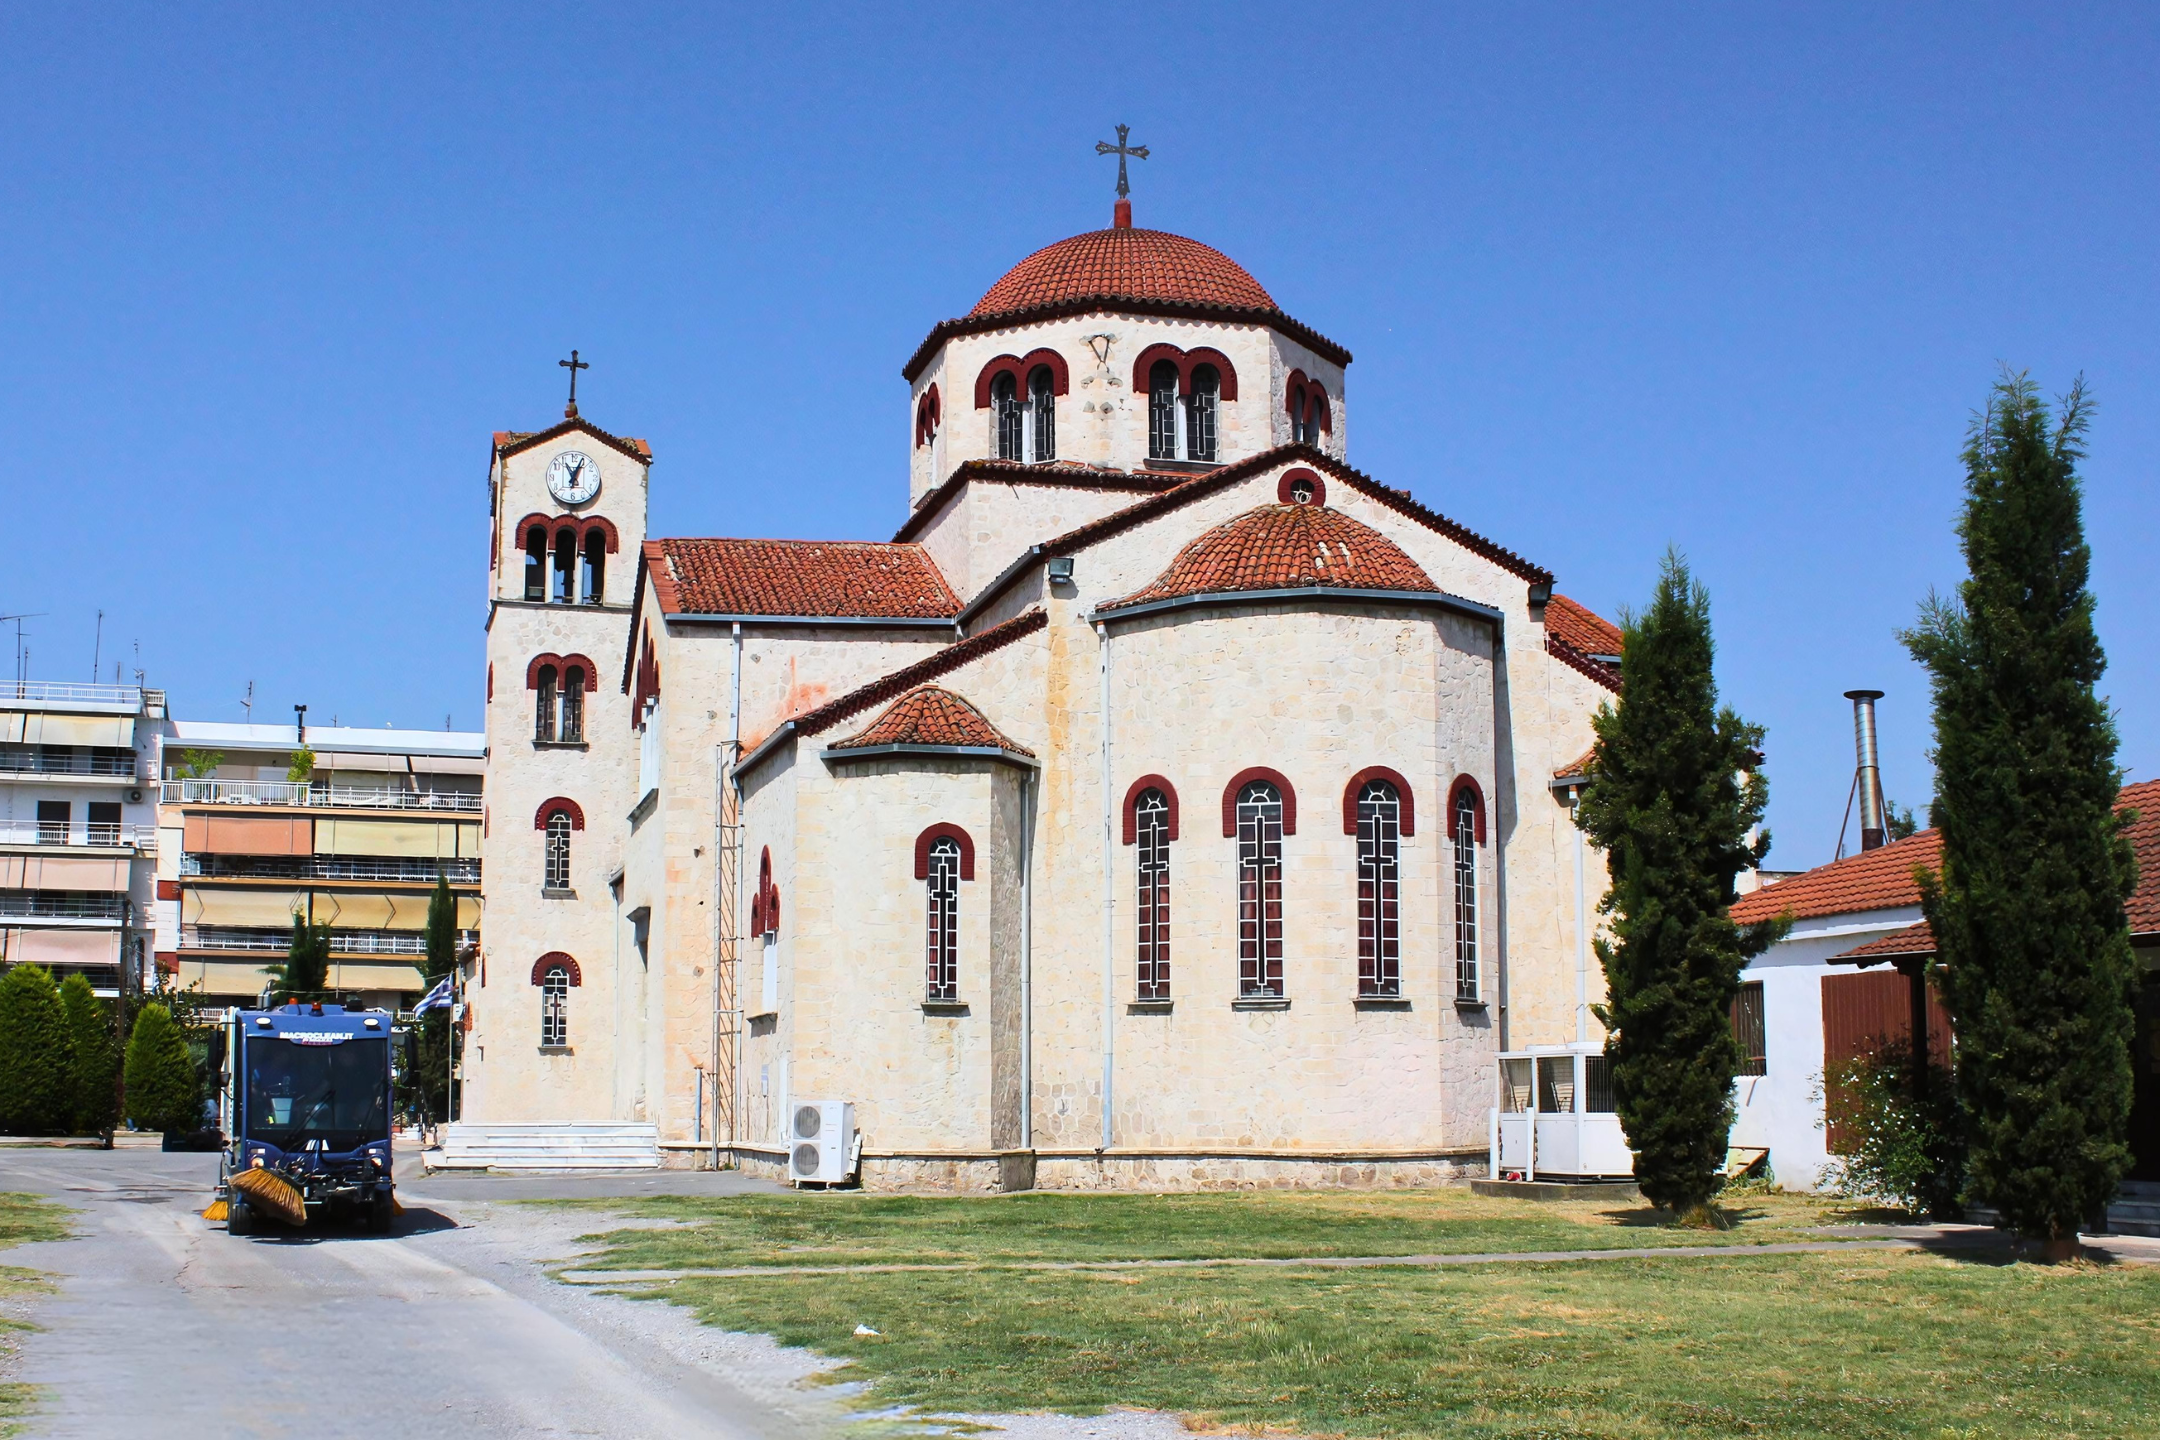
pixel 1873 832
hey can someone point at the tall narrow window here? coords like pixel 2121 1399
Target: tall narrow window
pixel 1151 832
pixel 1466 906
pixel 555 1007
pixel 1200 409
pixel 1379 903
pixel 565 590
pixel 942 904
pixel 536 550
pixel 104 826
pixel 1748 1028
pixel 593 583
pixel 1260 921
pixel 573 703
pixel 1042 413
pixel 1162 429
pixel 1005 416
pixel 52 822
pixel 557 875
pixel 544 706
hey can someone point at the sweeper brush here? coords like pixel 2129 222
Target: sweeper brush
pixel 272 1194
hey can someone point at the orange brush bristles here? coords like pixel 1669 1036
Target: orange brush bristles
pixel 272 1194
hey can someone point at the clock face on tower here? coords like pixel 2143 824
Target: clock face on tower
pixel 573 477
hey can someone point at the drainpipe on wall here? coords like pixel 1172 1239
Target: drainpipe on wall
pixel 1499 836
pixel 1109 901
pixel 1582 928
pixel 1027 965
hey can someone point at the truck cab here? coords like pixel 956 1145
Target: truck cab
pixel 307 1094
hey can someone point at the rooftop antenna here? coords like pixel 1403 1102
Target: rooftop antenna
pixel 22 656
pixel 97 647
pixel 247 703
pixel 300 722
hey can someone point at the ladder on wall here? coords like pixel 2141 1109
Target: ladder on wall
pixel 727 953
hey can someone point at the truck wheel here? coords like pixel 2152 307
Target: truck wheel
pixel 381 1213
pixel 239 1220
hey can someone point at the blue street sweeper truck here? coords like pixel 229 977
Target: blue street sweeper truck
pixel 306 1101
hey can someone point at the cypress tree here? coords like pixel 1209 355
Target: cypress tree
pixel 1674 794
pixel 305 975
pixel 93 1061
pixel 162 1093
pixel 34 1094
pixel 433 1037
pixel 2034 960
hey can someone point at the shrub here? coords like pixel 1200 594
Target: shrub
pixel 34 1094
pixel 162 1091
pixel 1908 1154
pixel 93 1063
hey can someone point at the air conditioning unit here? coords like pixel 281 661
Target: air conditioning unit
pixel 821 1142
pixel 135 797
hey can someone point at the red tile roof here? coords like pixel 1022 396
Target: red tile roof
pixel 839 578
pixel 1125 264
pixel 510 442
pixel 1883 879
pixel 1062 474
pixel 931 715
pixel 1912 940
pixel 1285 547
pixel 1580 765
pixel 944 662
pixel 1580 628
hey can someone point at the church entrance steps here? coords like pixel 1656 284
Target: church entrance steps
pixel 547 1147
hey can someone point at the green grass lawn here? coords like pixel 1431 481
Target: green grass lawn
pixel 1839 1345
pixel 23 1218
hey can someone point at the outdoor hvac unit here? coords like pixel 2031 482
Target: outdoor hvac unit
pixel 821 1142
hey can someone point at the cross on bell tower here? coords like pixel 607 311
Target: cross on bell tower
pixel 1122 216
pixel 573 365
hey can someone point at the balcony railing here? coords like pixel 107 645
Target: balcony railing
pixel 140 838
pixel 31 761
pixel 60 690
pixel 342 942
pixel 43 905
pixel 283 792
pixel 465 871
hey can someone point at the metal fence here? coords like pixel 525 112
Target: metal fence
pixel 283 792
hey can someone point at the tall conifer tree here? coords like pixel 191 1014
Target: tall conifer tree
pixel 34 1094
pixel 2034 959
pixel 1674 795
pixel 433 1037
pixel 93 1058
pixel 305 975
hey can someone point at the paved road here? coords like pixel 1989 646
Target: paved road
pixel 165 1325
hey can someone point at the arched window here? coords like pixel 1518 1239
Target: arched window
pixel 1200 409
pixel 565 590
pixel 1379 898
pixel 1260 919
pixel 942 909
pixel 573 703
pixel 544 705
pixel 536 564
pixel 1042 412
pixel 1466 823
pixel 1151 834
pixel 1005 417
pixel 557 874
pixel 1162 429
pixel 555 1007
pixel 593 583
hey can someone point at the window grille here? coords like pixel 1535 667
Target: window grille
pixel 565 568
pixel 594 581
pixel 942 898
pixel 1515 1093
pixel 1379 898
pixel 1200 414
pixel 558 852
pixel 1599 1098
pixel 1466 904
pixel 544 706
pixel 1005 415
pixel 1162 412
pixel 1042 405
pixel 1260 920
pixel 555 1007
pixel 1748 1029
pixel 1556 1084
pixel 536 564
pixel 573 703
pixel 1151 832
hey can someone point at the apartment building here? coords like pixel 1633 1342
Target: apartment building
pixel 355 843
pixel 78 833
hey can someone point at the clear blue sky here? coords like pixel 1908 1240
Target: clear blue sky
pixel 1725 278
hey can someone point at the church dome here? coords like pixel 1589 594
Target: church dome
pixel 1285 547
pixel 1148 266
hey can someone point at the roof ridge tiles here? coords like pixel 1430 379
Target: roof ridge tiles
pixel 944 662
pixel 930 714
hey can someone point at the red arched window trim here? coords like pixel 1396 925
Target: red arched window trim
pixel 1185 360
pixel 491 680
pixel 566 806
pixel 1291 477
pixel 765 905
pixel 938 832
pixel 561 664
pixel 1318 396
pixel 1357 783
pixel 1132 798
pixel 606 527
pixel 1238 782
pixel 1301 388
pixel 552 526
pixel 552 959
pixel 1477 791
pixel 1020 367
pixel 929 414
pixel 1293 395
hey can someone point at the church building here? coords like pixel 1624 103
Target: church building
pixel 1167 803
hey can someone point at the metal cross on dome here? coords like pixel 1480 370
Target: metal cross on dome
pixel 1121 150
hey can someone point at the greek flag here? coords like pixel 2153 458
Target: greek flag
pixel 436 998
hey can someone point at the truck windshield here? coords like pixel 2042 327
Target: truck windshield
pixel 338 1094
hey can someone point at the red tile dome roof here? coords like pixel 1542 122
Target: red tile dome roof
pixel 931 715
pixel 1125 264
pixel 1286 547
